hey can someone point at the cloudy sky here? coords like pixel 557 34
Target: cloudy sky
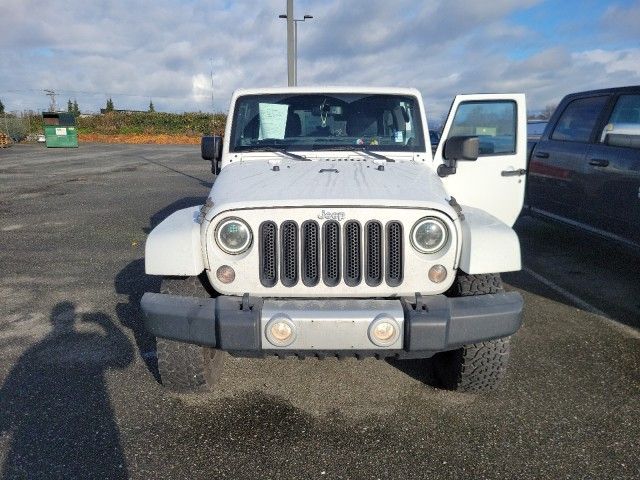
pixel 164 49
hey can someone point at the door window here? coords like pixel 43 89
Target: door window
pixel 579 118
pixel 623 127
pixel 493 122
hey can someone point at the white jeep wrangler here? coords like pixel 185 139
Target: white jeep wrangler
pixel 333 230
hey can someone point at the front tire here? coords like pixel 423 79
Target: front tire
pixel 188 368
pixel 476 367
pixel 184 367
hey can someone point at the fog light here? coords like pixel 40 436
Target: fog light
pixel 437 273
pixel 280 331
pixel 226 274
pixel 384 330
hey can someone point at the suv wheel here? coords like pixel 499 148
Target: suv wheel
pixel 479 366
pixel 184 367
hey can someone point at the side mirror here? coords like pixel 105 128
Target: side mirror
pixel 462 148
pixel 211 149
pixel 458 148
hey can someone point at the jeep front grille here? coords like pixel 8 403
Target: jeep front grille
pixel 374 254
pixel 289 253
pixel 352 254
pixel 395 266
pixel 331 253
pixel 327 252
pixel 310 253
pixel 268 254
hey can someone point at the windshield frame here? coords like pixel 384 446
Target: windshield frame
pixel 416 124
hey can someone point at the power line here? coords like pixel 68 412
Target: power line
pixel 51 94
pixel 81 92
pixel 184 101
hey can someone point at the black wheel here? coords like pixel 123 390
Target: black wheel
pixel 184 367
pixel 479 366
pixel 468 285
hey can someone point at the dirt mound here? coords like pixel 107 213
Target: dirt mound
pixel 139 139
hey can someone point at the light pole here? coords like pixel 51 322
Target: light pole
pixel 295 45
pixel 292 43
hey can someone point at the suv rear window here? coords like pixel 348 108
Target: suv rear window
pixel 579 118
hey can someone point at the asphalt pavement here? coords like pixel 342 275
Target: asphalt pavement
pixel 79 396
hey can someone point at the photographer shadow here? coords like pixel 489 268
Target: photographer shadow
pixel 55 406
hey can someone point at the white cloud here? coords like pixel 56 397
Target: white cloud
pixel 627 60
pixel 162 49
pixel 201 88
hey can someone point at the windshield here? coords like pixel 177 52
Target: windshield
pixel 318 122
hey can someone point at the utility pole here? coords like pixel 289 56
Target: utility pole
pixel 52 105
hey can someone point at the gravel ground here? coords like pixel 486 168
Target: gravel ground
pixel 79 396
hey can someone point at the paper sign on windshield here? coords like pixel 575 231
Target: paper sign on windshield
pixel 273 120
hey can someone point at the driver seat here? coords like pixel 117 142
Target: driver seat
pixel 294 125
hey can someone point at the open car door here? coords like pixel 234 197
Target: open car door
pixel 495 182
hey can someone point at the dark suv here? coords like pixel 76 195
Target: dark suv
pixel 585 169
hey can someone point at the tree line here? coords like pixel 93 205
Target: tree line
pixel 110 108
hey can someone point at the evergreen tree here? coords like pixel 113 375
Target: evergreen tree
pixel 151 107
pixel 76 110
pixel 1 107
pixel 69 106
pixel 109 105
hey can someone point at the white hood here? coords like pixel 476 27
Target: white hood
pixel 357 182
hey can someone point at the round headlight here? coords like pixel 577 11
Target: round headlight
pixel 233 235
pixel 429 235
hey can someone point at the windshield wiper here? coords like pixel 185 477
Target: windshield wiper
pixel 358 148
pixel 278 150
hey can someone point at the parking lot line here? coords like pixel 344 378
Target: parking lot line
pixel 583 305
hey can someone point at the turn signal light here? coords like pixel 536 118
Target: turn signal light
pixel 226 274
pixel 437 273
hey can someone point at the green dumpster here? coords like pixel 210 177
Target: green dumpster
pixel 60 130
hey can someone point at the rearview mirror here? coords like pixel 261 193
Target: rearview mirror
pixel 458 148
pixel 462 148
pixel 211 149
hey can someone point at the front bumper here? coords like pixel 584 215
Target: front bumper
pixel 333 327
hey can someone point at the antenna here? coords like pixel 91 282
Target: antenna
pixel 212 107
pixel 52 104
